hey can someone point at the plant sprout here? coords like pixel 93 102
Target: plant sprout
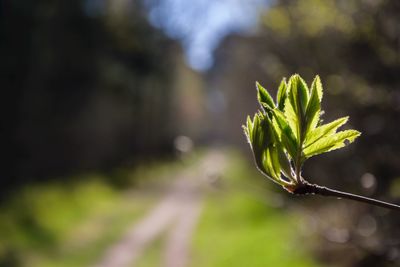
pixel 285 133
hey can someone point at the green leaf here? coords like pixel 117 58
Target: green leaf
pixel 295 107
pixel 288 132
pixel 324 130
pixel 281 95
pixel 291 118
pixel 332 142
pixel 264 142
pixel 273 163
pixel 314 105
pixel 258 140
pixel 318 86
pixel 247 128
pixel 285 133
pixel 284 162
pixel 298 94
pixel 264 98
pixel 260 137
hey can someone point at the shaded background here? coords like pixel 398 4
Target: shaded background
pixel 101 86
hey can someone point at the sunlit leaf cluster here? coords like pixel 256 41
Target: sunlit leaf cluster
pixel 289 130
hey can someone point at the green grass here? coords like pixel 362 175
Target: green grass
pixel 65 225
pixel 71 224
pixel 237 229
pixel 89 240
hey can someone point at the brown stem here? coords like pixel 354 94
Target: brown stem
pixel 306 188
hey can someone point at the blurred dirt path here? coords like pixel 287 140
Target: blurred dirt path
pixel 178 212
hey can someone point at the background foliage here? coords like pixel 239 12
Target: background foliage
pixel 97 87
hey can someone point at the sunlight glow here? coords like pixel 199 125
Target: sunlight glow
pixel 201 25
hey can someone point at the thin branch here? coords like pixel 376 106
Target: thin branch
pixel 307 188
